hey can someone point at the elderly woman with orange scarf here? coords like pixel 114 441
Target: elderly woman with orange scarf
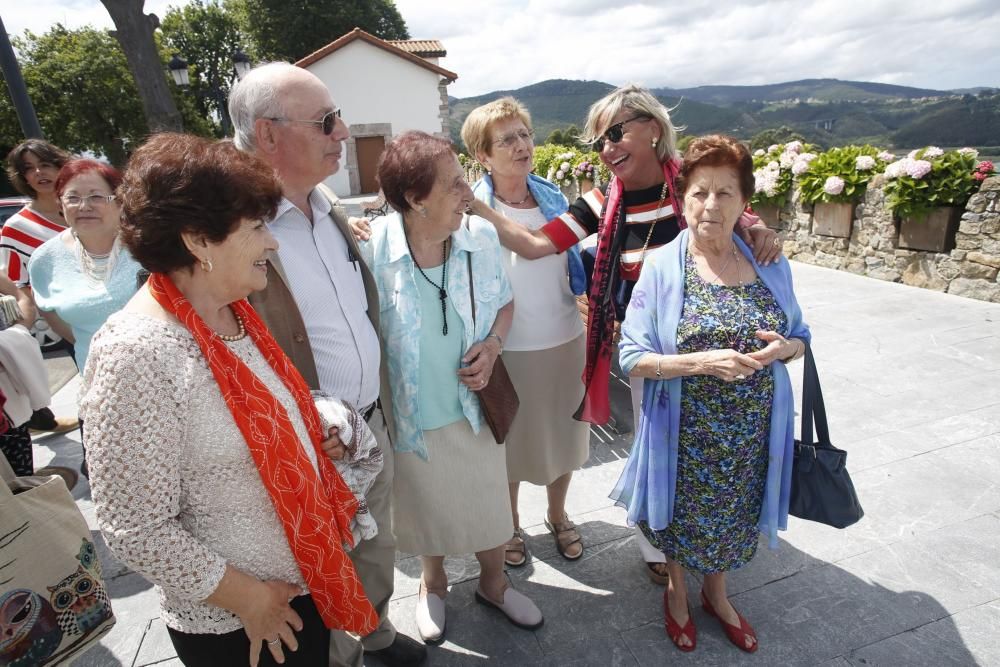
pixel 637 212
pixel 210 470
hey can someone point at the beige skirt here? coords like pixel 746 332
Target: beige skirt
pixel 456 502
pixel 545 442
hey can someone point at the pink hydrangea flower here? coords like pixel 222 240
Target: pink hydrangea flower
pixel 793 147
pixel 886 156
pixel 834 185
pixel 985 167
pixel 918 168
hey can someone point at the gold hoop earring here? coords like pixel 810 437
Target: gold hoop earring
pixel 206 265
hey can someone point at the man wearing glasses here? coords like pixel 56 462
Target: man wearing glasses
pixel 321 304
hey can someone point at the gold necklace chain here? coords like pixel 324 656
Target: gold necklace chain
pixel 656 219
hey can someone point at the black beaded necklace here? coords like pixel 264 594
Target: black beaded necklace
pixel 442 292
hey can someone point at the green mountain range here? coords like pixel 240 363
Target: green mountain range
pixel 828 112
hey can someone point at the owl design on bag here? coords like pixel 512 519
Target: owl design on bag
pixel 80 602
pixel 29 628
pixel 88 558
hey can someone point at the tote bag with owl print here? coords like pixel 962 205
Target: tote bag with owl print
pixel 53 604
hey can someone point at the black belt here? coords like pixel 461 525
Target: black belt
pixel 370 410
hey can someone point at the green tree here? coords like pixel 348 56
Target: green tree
pixel 84 94
pixel 569 136
pixel 207 36
pixel 777 135
pixel 292 29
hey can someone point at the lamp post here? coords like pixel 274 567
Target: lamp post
pixel 179 70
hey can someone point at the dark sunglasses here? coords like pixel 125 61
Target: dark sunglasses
pixel 327 121
pixel 615 133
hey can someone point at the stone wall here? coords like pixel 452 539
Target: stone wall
pixel 873 250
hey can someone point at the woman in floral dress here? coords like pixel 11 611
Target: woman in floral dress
pixel 711 463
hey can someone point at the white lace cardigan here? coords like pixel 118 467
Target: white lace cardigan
pixel 178 495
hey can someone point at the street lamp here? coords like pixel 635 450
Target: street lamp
pixel 179 70
pixel 242 64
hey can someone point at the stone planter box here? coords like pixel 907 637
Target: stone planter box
pixel 769 213
pixel 933 233
pixel 833 220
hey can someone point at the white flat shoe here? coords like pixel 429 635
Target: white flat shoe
pixel 518 609
pixel 430 616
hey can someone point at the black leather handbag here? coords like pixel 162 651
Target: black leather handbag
pixel 822 489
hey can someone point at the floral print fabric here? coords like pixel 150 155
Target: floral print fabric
pixel 723 441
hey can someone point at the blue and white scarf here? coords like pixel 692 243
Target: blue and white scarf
pixel 552 203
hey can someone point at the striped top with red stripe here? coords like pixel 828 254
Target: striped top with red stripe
pixel 23 232
pixel 642 208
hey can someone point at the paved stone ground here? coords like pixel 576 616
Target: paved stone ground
pixel 912 383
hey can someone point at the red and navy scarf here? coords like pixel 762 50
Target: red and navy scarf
pixel 595 407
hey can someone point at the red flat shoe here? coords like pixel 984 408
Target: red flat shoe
pixel 737 634
pixel 674 629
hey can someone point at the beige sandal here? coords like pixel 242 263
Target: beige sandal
pixel 566 536
pixel 516 545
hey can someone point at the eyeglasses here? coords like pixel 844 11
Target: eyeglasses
pixel 510 140
pixel 615 133
pixel 328 121
pixel 74 201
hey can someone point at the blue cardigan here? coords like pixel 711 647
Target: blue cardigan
pixel 648 482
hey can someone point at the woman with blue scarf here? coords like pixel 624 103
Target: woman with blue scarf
pixel 709 330
pixel 545 349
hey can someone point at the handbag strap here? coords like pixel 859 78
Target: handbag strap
pixel 813 407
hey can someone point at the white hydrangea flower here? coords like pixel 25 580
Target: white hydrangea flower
pixel 864 163
pixel 933 151
pixel 834 185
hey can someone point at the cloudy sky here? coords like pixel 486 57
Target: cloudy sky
pixel 505 44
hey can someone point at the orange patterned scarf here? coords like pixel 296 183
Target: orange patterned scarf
pixel 316 510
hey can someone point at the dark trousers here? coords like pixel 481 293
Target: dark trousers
pixel 233 648
pixel 16 446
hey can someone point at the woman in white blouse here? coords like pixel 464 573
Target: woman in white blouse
pixel 544 351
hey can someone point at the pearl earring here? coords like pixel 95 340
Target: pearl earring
pixel 655 141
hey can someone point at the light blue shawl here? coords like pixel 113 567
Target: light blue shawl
pixel 552 204
pixel 647 484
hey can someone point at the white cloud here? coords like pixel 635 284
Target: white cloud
pixel 505 44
